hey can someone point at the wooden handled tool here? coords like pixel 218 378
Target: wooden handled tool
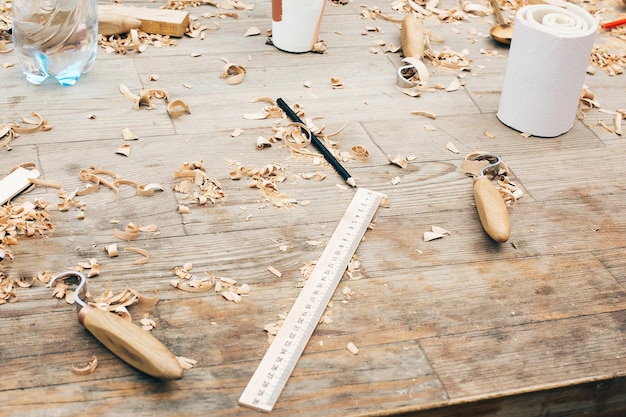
pixel 492 211
pixel 412 37
pixel 129 342
pixel 412 40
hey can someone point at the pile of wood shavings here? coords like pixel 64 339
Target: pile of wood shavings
pixel 195 185
pixel 226 287
pixel 24 219
pixel 609 57
pixel 266 180
pixel 133 41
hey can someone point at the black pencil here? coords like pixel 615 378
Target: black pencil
pixel 319 145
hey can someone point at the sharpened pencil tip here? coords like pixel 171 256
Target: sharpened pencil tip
pixel 350 181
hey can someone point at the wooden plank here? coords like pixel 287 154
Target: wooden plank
pixel 153 20
pixel 457 325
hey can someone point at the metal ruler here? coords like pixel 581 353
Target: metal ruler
pixel 272 374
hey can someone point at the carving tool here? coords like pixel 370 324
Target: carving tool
pixel 128 341
pixel 281 358
pixel 330 158
pixel 412 41
pixel 492 211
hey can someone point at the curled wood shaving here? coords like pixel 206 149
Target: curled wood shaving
pixel 233 73
pixel 86 369
pixel 148 301
pixel 112 250
pixel 144 253
pixel 177 108
pixel 131 231
pixel 262 142
pixel 360 153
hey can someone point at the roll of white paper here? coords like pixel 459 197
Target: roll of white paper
pixel 296 24
pixel 546 68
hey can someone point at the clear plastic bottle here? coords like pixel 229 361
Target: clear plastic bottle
pixel 55 38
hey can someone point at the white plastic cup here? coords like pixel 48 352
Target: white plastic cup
pixel 296 24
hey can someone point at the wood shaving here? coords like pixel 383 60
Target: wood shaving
pixel 315 176
pixel 454 85
pixel 399 160
pixel 452 148
pixel 252 31
pixel 262 142
pixel 144 253
pixel 336 83
pixel 186 363
pixel 177 108
pixel 428 114
pixel 275 271
pixel 352 348
pixel 112 250
pixel 128 135
pixel 123 150
pixel 360 153
pixel 89 368
pixel 233 73
pixel 147 323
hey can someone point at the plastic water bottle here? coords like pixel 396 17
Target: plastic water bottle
pixel 55 38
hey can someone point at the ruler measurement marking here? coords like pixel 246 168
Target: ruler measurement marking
pixel 281 358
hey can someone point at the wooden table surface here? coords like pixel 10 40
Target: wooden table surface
pixel 533 326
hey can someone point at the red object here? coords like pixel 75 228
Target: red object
pixel 613 23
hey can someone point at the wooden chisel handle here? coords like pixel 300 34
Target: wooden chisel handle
pixel 412 37
pixel 494 216
pixel 131 343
